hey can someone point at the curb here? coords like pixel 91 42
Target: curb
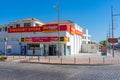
pixel 66 64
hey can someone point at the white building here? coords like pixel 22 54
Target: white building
pixel 47 39
pixel 86 39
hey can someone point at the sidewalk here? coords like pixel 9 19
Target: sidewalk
pixel 82 58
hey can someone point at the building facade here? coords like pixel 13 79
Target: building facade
pixel 26 36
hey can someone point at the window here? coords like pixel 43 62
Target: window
pixel 84 37
pixel 27 24
pixel 89 38
pixel 83 42
pixel 17 25
pixel 37 24
pixel 14 39
pixel 5 28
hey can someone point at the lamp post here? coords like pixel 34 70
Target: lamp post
pixel 112 15
pixel 58 28
pixel 58 9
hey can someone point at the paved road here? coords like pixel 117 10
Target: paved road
pixel 27 71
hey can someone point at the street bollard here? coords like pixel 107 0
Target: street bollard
pixel 61 60
pixel 89 60
pixel 25 56
pixel 45 57
pixel 103 60
pixel 74 60
pixel 49 59
pixel 38 58
pixel 29 59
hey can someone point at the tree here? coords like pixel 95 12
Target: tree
pixel 103 43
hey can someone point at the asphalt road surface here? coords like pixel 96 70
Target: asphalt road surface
pixel 27 71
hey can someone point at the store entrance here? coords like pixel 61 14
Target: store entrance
pixel 52 50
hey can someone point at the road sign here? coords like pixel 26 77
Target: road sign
pixel 5 42
pixel 113 40
pixel 104 53
pixel 103 50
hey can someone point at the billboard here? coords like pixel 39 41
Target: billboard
pixel 113 40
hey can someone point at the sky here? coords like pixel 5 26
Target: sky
pixel 94 15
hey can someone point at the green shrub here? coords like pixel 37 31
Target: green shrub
pixel 2 58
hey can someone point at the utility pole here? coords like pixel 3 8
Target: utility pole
pixel 112 30
pixel 112 15
pixel 109 35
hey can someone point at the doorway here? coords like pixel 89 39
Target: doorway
pixel 52 50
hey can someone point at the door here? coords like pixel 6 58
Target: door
pixel 52 50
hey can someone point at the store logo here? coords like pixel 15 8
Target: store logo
pixel 45 27
pixel 53 27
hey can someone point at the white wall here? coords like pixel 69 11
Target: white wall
pixel 89 48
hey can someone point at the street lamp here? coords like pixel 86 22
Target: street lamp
pixel 112 15
pixel 58 9
pixel 58 28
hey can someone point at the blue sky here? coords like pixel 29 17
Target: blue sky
pixel 94 15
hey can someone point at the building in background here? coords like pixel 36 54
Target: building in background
pixel 86 38
pixel 30 34
pixel 88 45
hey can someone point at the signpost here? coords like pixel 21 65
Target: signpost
pixel 5 41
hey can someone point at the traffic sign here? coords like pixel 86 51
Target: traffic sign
pixel 103 50
pixel 5 42
pixel 104 53
pixel 113 40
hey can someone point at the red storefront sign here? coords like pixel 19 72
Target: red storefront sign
pixel 79 33
pixel 46 39
pixel 72 30
pixel 41 39
pixel 25 29
pixel 50 28
pixel 65 28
